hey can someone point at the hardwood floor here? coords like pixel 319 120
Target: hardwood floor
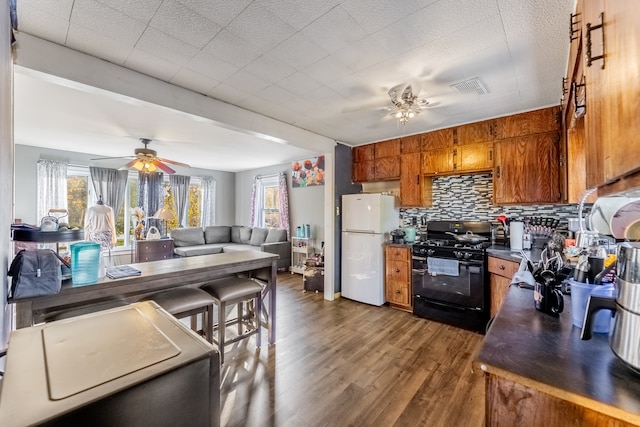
pixel 343 363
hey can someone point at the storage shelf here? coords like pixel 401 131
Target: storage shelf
pixel 301 248
pixel 35 235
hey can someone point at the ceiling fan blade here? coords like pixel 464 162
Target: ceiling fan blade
pixel 164 167
pixel 174 163
pixel 116 157
pixel 130 164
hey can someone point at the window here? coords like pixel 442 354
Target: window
pixel 268 202
pixel 194 204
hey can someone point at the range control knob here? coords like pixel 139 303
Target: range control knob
pixel 468 255
pixel 430 252
pixel 458 254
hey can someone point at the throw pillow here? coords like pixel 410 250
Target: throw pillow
pixel 217 234
pixel 235 233
pixel 187 236
pixel 245 235
pixel 258 236
pixel 276 235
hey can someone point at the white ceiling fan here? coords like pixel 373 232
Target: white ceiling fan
pixel 147 160
pixel 406 104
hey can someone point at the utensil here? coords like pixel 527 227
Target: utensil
pixel 468 237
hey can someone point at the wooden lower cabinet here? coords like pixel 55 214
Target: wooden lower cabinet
pixel 510 403
pixel 500 273
pixel 398 276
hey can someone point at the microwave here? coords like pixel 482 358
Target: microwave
pixel 127 366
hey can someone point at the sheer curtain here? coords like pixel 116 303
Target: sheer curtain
pixel 180 189
pixel 111 184
pixel 150 194
pixel 208 202
pixel 253 219
pixel 52 186
pixel 283 197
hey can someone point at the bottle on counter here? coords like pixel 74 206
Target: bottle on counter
pixel 526 240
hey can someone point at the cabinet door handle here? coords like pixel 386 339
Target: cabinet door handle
pixel 590 28
pixel 502 267
pixel 573 27
pixel 498 171
pixel 397 270
pixel 490 155
pixel 397 291
pixel 418 179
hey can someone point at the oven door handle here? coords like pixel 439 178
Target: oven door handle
pixel 418 258
pixel 419 271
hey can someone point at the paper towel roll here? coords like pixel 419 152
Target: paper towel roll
pixel 517 231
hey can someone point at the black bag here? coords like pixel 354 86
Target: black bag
pixel 35 273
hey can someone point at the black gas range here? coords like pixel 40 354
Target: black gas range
pixel 449 274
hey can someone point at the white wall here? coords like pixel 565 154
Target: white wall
pixel 306 205
pixel 26 158
pixel 6 164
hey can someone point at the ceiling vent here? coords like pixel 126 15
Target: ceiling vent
pixel 471 86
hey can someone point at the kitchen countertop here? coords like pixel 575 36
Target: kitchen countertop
pixel 546 353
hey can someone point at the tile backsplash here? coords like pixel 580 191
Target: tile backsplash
pixel 469 197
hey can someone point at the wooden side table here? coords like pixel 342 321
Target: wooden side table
pixel 153 250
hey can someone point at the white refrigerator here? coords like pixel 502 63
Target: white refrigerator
pixel 365 220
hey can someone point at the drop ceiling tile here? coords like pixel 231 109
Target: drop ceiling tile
pixel 211 66
pixel 246 82
pixel 232 49
pixel 270 68
pixel 335 30
pixel 92 43
pixel 299 83
pixel 328 70
pixel 476 37
pixel 275 94
pixel 374 15
pixel 324 95
pixel 228 94
pixel 165 46
pixel 194 81
pixel 56 8
pixel 151 65
pixel 175 19
pixel 260 27
pixel 222 12
pixel 142 10
pixel 362 54
pixel 43 24
pixel 106 21
pixel 299 13
pixel 298 51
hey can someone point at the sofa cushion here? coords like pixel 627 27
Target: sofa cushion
pixel 217 234
pixel 258 236
pixel 235 233
pixel 213 248
pixel 276 235
pixel 190 236
pixel 238 248
pixel 245 235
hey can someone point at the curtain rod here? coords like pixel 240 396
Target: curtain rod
pixel 273 175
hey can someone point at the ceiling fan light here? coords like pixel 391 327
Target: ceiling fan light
pixel 138 165
pixel 411 114
pixel 398 114
pixel 150 167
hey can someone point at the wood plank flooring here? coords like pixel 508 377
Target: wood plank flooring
pixel 343 363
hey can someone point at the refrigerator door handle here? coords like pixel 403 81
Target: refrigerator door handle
pixel 361 231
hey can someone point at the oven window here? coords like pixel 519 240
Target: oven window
pixel 451 281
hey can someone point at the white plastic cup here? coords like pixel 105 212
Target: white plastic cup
pixel 517 233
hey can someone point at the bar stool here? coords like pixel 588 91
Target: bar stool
pixel 183 302
pixel 236 290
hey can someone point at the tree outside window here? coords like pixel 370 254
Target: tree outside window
pixel 271 210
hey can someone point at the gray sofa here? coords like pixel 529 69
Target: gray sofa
pixel 215 239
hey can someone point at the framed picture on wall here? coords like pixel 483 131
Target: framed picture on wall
pixel 308 172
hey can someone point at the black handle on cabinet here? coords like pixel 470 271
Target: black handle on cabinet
pixel 573 27
pixel 418 179
pixel 498 171
pixel 490 155
pixel 502 267
pixel 590 28
pixel 578 108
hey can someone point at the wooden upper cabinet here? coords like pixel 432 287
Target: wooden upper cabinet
pixel 410 144
pixel 474 133
pixel 437 139
pixel 410 181
pixel 436 162
pixel 363 171
pixel 530 123
pixel 387 148
pixel 613 90
pixel 363 153
pixel 475 157
pixel 527 170
pixel 387 168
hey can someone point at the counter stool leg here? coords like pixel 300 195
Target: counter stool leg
pixel 221 327
pixel 258 310
pixel 207 319
pixel 240 317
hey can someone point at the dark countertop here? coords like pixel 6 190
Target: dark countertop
pixel 546 353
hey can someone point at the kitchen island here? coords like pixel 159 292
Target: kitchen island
pixel 539 371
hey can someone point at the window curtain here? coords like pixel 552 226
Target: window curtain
pixel 283 197
pixel 208 202
pixel 180 189
pixel 52 186
pixel 253 219
pixel 111 184
pixel 150 194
